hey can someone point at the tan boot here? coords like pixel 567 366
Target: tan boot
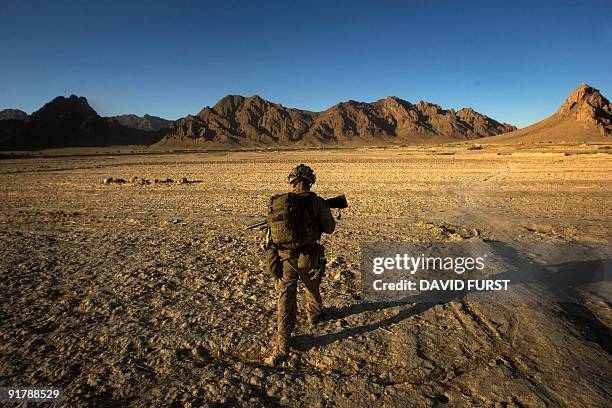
pixel 316 320
pixel 276 358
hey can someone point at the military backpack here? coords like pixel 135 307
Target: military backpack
pixel 290 220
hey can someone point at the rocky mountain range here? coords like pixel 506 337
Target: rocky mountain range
pixel 146 122
pixel 68 122
pixel 252 120
pixel 585 116
pixel 238 121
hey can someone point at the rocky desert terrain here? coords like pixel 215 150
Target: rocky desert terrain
pixel 152 294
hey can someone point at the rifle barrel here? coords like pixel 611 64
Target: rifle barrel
pixel 256 225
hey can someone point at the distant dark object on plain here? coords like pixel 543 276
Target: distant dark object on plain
pixel 143 181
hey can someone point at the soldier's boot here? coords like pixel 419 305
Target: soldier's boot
pixel 276 358
pixel 281 350
pixel 315 320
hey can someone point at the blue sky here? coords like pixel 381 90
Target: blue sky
pixel 514 61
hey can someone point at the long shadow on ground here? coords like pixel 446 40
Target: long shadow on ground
pixel 562 281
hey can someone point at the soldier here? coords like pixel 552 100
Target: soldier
pixel 298 257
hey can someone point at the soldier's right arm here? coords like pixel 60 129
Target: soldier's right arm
pixel 327 224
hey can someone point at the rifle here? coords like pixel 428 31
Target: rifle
pixel 334 202
pixel 257 225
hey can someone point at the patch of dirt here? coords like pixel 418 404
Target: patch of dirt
pixel 153 295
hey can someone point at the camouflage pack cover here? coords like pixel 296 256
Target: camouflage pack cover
pixel 291 221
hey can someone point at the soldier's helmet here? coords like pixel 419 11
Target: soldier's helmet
pixel 302 172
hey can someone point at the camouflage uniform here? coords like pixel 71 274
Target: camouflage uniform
pixel 308 265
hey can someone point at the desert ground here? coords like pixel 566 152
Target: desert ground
pixel 153 294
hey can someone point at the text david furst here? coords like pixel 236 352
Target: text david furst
pixel 439 284
pixel 412 264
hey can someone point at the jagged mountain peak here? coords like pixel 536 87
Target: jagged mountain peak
pixel 587 105
pixel 228 104
pixel 583 95
pixel 60 105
